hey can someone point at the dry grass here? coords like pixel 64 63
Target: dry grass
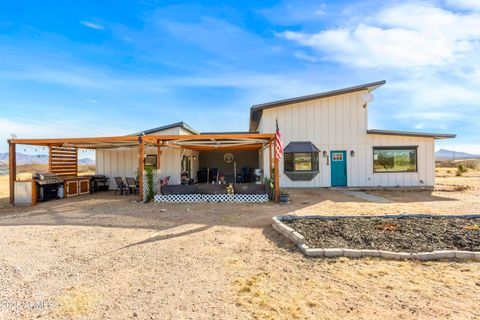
pixel 104 256
pixel 74 302
pixel 4 191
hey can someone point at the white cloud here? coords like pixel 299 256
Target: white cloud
pixel 427 125
pixel 92 101
pixel 406 35
pixel 25 128
pixel 464 4
pixel 431 116
pixel 307 57
pixel 92 25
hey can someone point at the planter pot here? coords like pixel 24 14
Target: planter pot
pixel 284 198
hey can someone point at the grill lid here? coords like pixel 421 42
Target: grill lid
pixel 47 178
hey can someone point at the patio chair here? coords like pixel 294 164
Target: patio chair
pixel 164 181
pixel 132 186
pixel 121 186
pixel 214 175
pixel 245 174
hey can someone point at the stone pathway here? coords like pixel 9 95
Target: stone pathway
pixel 366 196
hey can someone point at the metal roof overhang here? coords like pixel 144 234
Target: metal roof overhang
pixel 412 134
pixel 244 141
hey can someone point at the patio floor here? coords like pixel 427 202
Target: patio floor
pixel 106 256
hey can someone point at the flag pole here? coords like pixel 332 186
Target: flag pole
pixel 276 171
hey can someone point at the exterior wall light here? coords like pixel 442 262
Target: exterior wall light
pixel 366 98
pixel 324 154
pixel 352 153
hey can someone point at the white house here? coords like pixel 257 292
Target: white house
pixel 341 149
pixel 326 139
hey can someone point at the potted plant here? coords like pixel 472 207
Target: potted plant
pixel 284 196
pixel 270 187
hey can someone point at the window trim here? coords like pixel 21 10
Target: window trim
pixel 302 171
pixel 395 148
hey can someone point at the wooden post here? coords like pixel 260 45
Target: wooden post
pixel 50 158
pixel 277 177
pixel 141 166
pixel 270 160
pixel 76 162
pixel 12 164
pixel 159 153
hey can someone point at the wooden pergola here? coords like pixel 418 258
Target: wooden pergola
pixel 65 149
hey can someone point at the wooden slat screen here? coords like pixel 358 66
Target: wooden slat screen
pixel 64 161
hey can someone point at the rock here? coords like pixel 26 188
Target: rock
pixel 163 210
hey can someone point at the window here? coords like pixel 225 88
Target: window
pixel 337 156
pixel 301 161
pixel 151 160
pixel 394 159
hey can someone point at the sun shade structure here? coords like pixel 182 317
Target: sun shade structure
pixel 203 142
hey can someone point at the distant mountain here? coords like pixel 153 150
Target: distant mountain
pixel 41 159
pixel 87 161
pixel 444 154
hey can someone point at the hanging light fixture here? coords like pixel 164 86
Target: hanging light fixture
pixel 366 98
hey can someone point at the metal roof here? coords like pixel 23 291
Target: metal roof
pixel 412 134
pixel 256 110
pixel 301 146
pixel 180 124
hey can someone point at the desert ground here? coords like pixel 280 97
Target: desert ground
pixel 106 256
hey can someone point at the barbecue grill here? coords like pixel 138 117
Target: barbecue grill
pixel 46 178
pixel 49 186
pixel 98 182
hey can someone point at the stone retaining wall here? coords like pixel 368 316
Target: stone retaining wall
pixel 299 240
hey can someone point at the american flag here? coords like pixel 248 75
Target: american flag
pixel 278 143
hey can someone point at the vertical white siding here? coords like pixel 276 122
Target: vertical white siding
pixel 340 123
pixel 123 162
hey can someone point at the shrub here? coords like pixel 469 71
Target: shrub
pixel 462 168
pixel 150 193
pixel 471 165
pixel 458 173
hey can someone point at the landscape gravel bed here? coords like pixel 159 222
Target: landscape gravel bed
pixel 400 234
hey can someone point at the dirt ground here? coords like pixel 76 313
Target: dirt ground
pixel 105 256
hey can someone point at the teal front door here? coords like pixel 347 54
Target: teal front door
pixel 339 168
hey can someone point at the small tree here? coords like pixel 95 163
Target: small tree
pixel 150 193
pixel 462 168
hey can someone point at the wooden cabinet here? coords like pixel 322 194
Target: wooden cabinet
pixel 76 186
pixel 71 188
pixel 84 186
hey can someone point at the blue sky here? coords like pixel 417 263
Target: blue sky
pixel 108 68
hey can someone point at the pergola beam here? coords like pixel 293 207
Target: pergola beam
pixel 12 164
pixel 159 153
pixel 127 141
pixel 141 166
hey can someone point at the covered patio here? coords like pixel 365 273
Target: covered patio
pixel 63 154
